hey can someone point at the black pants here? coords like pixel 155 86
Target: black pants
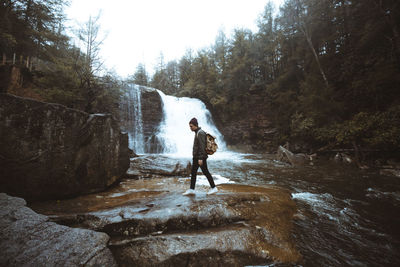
pixel 205 171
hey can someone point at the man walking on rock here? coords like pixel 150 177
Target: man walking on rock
pixel 199 158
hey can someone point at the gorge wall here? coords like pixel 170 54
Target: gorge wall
pixel 250 131
pixel 151 116
pixel 51 151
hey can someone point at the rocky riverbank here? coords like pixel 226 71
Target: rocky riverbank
pixel 150 222
pixel 30 239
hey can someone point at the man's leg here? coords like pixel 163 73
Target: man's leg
pixel 205 171
pixel 195 167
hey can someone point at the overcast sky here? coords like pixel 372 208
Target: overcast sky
pixel 139 30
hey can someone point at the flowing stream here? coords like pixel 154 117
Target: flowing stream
pixel 346 216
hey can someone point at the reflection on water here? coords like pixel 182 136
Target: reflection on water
pixel 346 216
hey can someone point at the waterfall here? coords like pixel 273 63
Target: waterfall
pixel 163 131
pixel 174 132
pixel 132 109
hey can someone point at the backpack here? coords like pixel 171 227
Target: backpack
pixel 211 145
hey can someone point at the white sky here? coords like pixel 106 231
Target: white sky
pixel 139 30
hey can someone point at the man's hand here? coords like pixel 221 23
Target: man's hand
pixel 200 162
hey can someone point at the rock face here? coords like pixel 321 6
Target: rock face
pixel 29 239
pixel 151 224
pixel 50 151
pixel 249 132
pixel 151 112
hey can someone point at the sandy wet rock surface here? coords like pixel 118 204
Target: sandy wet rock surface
pixel 151 223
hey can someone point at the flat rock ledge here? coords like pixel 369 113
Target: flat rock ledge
pixel 30 239
pixel 155 166
pixel 151 224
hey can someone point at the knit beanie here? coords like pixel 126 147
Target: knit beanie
pixel 194 122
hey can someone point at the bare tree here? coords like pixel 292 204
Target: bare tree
pixel 91 41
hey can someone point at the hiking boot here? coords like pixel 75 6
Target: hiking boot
pixel 212 191
pixel 189 192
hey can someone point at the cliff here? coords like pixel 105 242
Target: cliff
pixel 249 131
pixel 151 112
pixel 51 151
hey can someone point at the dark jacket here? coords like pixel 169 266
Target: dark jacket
pixel 199 145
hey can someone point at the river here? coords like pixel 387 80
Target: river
pixel 346 216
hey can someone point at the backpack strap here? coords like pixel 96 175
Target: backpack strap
pixel 199 131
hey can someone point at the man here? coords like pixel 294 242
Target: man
pixel 199 158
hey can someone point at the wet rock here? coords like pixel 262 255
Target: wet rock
pixel 51 151
pixel 231 246
pixel 343 158
pixel 152 114
pixel 146 166
pixel 390 172
pixel 29 239
pixel 252 130
pixel 284 154
pixel 150 223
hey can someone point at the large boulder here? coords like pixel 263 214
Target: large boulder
pixel 30 239
pixel 51 151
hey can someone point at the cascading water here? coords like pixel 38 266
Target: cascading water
pixel 174 132
pixel 133 116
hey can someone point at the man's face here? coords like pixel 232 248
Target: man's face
pixel 192 127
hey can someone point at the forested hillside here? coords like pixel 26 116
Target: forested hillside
pixel 318 74
pixel 33 36
pixel 323 73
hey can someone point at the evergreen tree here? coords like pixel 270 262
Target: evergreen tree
pixel 140 77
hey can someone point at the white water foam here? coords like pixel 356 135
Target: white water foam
pixel 174 131
pixel 322 204
pixel 202 180
pixel 375 193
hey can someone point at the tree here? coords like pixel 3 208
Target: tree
pixel 390 12
pixel 240 65
pixel 140 77
pixel 220 52
pixel 185 68
pixel 89 35
pixel 29 27
pixel 268 55
pixel 298 13
pixel 172 73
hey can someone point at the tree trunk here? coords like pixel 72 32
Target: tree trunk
pixel 307 35
pixel 396 41
pixel 317 60
pixel 391 21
